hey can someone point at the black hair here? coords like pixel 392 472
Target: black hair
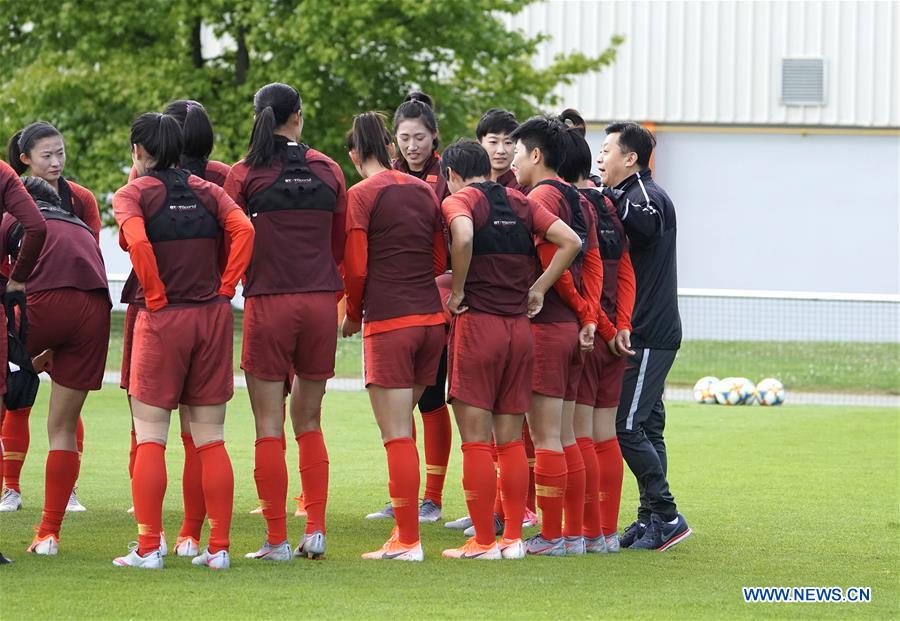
pixel 577 164
pixel 23 142
pixel 41 191
pixel 273 104
pixel 160 135
pixel 496 121
pixel 195 127
pixel 548 134
pixel 467 158
pixel 418 105
pixel 369 137
pixel 573 120
pixel 634 138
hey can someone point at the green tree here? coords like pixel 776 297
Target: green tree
pixel 90 67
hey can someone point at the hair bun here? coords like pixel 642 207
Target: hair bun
pixel 421 98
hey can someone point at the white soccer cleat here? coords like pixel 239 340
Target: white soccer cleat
pixel 219 560
pixel 44 546
pixel 279 552
pixel 151 560
pixel 312 546
pixel 511 548
pixel 460 523
pixel 163 546
pixel 187 546
pixel 130 509
pixel 74 506
pixel 11 501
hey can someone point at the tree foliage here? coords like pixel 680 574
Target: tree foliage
pixel 91 67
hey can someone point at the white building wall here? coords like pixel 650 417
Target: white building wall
pixel 720 62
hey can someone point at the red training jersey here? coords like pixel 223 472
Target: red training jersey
pixel 16 200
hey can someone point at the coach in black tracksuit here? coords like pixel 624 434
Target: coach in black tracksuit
pixel 648 215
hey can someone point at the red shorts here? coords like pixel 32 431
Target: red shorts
pixel 290 331
pixel 127 339
pixel 490 360
pixel 183 355
pixel 75 325
pixel 601 381
pixel 557 357
pixel 405 357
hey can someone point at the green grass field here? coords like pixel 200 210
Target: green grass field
pixel 825 367
pixel 791 496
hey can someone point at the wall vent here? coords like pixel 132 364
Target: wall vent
pixel 803 81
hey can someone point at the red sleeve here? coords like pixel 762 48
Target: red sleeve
pixel 356 258
pixel 339 220
pixel 541 219
pixel 439 254
pixel 239 234
pixel 565 286
pixel 358 210
pixel 86 208
pixel 234 184
pixel 625 292
pixel 15 199
pixel 144 262
pixel 592 285
pixel 455 206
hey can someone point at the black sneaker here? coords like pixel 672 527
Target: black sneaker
pixel 4 560
pixel 661 536
pixel 632 534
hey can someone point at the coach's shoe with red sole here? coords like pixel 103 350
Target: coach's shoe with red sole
pixel 661 535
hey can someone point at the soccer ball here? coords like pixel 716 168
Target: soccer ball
pixel 747 390
pixel 704 389
pixel 770 392
pixel 728 391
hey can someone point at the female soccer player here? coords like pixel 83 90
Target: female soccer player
pixel 198 143
pixel 172 224
pixel 68 313
pixel 541 147
pixel 491 352
pixel 14 198
pixel 416 133
pixel 594 426
pixel 494 133
pixel 395 247
pixel 40 149
pixel 296 199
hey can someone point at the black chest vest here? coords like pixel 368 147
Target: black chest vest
pixel 183 216
pixel 50 212
pixel 578 223
pixel 610 233
pixel 65 197
pixel 296 187
pixel 503 232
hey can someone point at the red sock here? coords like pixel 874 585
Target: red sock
pixel 15 442
pixel 480 485
pixel 609 461
pixel 218 493
pixel 59 478
pixel 438 434
pixel 575 491
pixel 403 486
pixel 270 474
pixel 513 486
pixel 79 445
pixel 529 452
pixel 283 419
pixel 148 488
pixel 592 486
pixel 132 454
pixel 192 490
pixel 498 497
pixel 550 488
pixel 314 478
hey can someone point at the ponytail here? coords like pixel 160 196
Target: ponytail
pixel 195 126
pixel 161 137
pixel 418 105
pixel 370 138
pixel 273 104
pixel 23 141
pixel 573 120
